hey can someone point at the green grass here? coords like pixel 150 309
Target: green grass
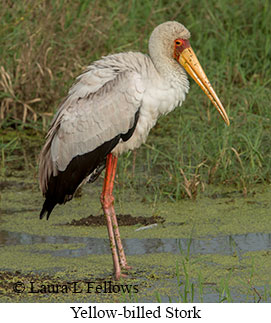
pixel 191 290
pixel 45 45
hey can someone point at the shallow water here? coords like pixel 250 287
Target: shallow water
pixel 223 238
pixel 225 245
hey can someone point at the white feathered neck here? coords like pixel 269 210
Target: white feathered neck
pixel 161 50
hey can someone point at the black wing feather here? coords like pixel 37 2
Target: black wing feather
pixel 62 187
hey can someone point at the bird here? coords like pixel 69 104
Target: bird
pixel 110 109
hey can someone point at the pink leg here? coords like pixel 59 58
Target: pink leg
pixel 107 200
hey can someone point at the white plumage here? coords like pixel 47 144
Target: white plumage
pixel 111 109
pixel 104 100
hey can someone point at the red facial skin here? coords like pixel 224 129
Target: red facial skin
pixel 179 46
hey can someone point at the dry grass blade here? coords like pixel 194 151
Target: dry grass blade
pixel 11 104
pixel 212 171
pixel 6 82
pixel 242 177
pixel 255 291
pixel 186 184
pixel 238 157
pixel 191 186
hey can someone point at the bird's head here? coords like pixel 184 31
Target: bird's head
pixel 171 39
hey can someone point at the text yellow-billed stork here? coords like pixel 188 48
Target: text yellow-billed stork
pixel 111 109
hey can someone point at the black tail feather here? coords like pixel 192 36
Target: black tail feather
pixel 62 187
pixel 48 207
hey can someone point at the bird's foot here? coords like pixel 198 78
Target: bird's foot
pixel 120 275
pixel 126 267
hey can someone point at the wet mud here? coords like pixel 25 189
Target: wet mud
pixel 123 219
pixel 220 242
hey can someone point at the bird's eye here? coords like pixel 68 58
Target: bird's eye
pixel 178 42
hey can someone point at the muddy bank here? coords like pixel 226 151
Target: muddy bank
pixel 221 237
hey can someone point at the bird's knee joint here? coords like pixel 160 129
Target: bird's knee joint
pixel 107 200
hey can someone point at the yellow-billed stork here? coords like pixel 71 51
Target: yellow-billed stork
pixel 111 109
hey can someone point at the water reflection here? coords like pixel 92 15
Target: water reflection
pixel 226 245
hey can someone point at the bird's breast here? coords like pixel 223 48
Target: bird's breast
pixel 156 101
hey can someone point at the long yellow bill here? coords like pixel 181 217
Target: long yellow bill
pixel 189 61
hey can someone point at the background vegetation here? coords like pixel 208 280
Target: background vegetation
pixel 44 45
